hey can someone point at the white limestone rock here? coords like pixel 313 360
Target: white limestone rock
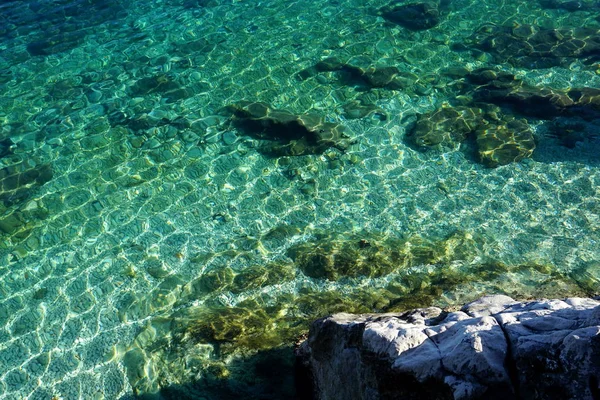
pixel 495 348
pixel 488 305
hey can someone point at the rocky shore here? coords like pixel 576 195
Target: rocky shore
pixel 493 348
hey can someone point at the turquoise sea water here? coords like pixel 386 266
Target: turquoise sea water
pixel 150 246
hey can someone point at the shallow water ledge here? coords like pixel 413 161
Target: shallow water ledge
pixel 493 348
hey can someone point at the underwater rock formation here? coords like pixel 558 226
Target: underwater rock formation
pixel 284 133
pixel 57 43
pixel 499 139
pixel 446 126
pixel 385 77
pixel 196 332
pixel 494 348
pixel 504 143
pixel 568 111
pixel 372 77
pixel 530 46
pixel 333 259
pixel 364 80
pixel 416 16
pixel 504 89
pixel 488 98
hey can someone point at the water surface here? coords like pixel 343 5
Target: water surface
pixel 150 242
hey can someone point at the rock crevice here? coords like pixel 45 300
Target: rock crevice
pixel 511 366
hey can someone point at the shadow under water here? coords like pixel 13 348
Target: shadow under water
pixel 265 375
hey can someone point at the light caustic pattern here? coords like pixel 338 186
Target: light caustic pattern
pixel 144 239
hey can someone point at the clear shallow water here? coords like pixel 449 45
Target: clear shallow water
pixel 146 243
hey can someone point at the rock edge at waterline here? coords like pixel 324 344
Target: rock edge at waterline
pixel 494 348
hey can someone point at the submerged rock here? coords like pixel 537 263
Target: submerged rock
pixel 531 46
pixel 57 43
pixel 494 348
pixel 11 223
pixel 446 126
pixel 490 99
pixel 285 133
pixel 416 16
pixel 193 330
pixel 505 143
pixel 500 140
pixel 541 102
pixel 333 259
pixel 387 77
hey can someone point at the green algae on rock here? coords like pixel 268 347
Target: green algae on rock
pixel 368 256
pixel 284 133
pixel 144 181
pixel 565 110
pixel 280 317
pixel 256 277
pixel 11 223
pixel 587 276
pixel 333 259
pixel 210 341
pixel 247 325
pixel 212 281
pixel 490 89
pixel 500 138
